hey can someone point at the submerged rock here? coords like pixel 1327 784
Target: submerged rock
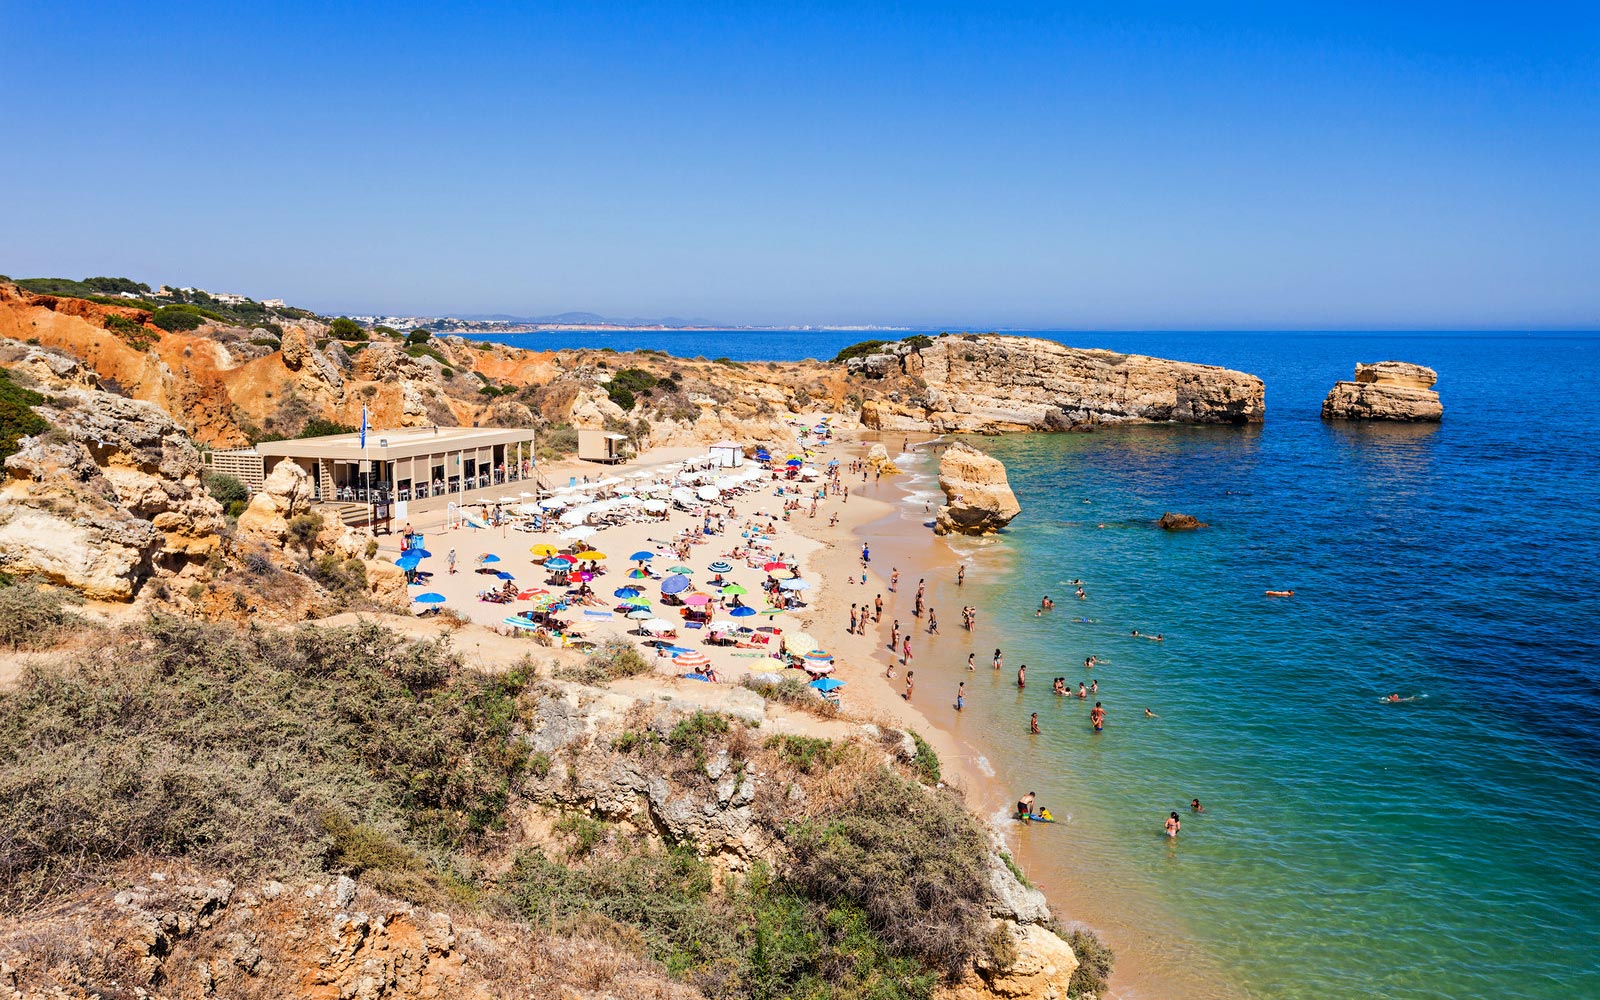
pixel 979 499
pixel 1386 390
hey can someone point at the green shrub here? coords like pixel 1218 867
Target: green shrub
pixel 17 419
pixel 304 529
pixel 1014 869
pixel 918 341
pixel 182 317
pixel 627 383
pixel 999 947
pixel 232 748
pixel 35 617
pixel 225 489
pixel 912 859
pixel 926 761
pixel 795 692
pixel 344 328
pixel 1093 973
pixel 585 832
pixel 859 350
pixel 559 440
pixel 418 336
pixel 688 735
pixel 803 753
pixel 321 427
pixel 426 351
pixel 612 660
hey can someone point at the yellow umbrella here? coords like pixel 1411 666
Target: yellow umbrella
pixel 544 550
pixel 591 554
pixel 781 574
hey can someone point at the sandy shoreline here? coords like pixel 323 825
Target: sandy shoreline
pixel 829 557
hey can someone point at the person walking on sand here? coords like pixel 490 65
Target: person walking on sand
pixel 907 695
pixel 877 609
pixel 894 636
pixel 1097 717
pixel 933 623
pixel 894 580
pixel 1173 825
pixel 852 619
pixel 1033 724
pixel 450 561
pixel 905 652
pixel 866 552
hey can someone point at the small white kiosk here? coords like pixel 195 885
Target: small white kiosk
pixel 728 454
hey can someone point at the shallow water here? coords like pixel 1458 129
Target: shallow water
pixel 1437 848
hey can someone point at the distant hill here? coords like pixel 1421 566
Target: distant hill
pixel 584 318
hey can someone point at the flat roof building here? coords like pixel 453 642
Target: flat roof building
pixel 400 464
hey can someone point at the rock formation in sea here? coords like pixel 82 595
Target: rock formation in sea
pixel 990 383
pixel 1171 521
pixel 978 498
pixel 1386 390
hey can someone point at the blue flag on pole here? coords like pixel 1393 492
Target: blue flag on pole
pixel 363 427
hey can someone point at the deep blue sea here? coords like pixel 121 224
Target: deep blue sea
pixel 1445 847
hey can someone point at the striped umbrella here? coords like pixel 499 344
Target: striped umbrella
pixel 720 567
pixel 693 660
pixel 819 656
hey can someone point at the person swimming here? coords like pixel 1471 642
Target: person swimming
pixel 1195 806
pixel 1083 692
pixel 1280 593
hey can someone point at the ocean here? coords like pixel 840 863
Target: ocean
pixel 1440 847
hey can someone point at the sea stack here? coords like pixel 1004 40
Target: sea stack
pixel 1386 390
pixel 978 500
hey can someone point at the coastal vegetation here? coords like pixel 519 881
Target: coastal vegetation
pixel 17 419
pixel 321 751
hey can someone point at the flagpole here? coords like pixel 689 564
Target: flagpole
pixel 366 456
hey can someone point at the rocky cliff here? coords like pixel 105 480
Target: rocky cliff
pixel 1386 390
pixel 978 499
pixel 109 496
pixel 228 385
pixel 990 383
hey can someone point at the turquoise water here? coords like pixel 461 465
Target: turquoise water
pixel 1442 848
pixel 1438 848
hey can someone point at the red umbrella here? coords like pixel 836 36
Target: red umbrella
pixel 769 567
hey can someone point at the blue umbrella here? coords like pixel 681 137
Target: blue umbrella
pixel 675 584
pixel 742 611
pixel 429 598
pixel 642 556
pixel 763 455
pixel 491 557
pixel 419 553
pixel 826 684
pixel 504 575
pixel 625 592
pixel 408 562
pixel 557 562
pixel 832 462
pixel 720 567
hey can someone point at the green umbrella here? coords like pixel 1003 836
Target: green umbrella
pixel 733 590
pixel 680 569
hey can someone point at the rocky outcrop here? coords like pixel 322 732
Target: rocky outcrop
pixel 285 493
pixel 978 498
pixel 1386 390
pixel 110 496
pixel 989 383
pixel 1179 522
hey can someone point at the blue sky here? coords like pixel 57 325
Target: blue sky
pixel 985 165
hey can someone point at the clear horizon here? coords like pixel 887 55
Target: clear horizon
pixel 1017 167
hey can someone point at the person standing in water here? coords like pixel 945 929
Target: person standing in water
pixel 1022 676
pixel 1097 717
pixel 907 695
pixel 1173 825
pixel 997 659
pixel 1033 724
pixel 877 609
pixel 961 695
pixel 961 574
pixel 905 653
pixel 1025 807
pixel 894 635
pixel 972 659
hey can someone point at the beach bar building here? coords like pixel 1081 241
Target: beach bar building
pixel 727 454
pixel 596 445
pixel 402 464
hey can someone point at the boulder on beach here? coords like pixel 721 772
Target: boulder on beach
pixel 1386 390
pixel 979 500
pixel 1180 522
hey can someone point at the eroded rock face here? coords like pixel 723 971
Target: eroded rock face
pixel 285 493
pixel 989 383
pixel 1386 390
pixel 979 499
pixel 111 495
pixel 1042 969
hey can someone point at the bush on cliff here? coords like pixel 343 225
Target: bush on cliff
pixel 17 419
pixel 858 350
pixel 252 752
pixel 34 616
